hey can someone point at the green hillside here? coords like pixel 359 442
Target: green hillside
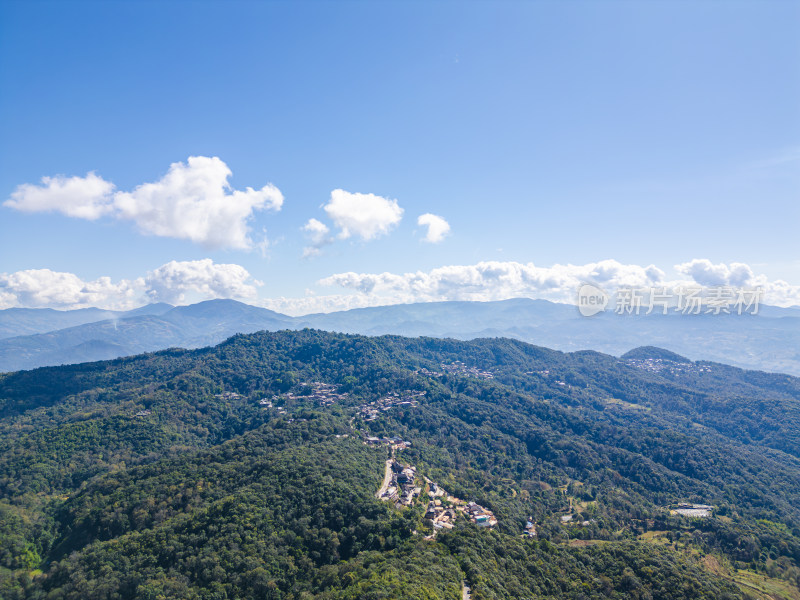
pixel 243 471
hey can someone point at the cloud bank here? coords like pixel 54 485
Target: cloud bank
pixel 191 281
pixel 192 201
pixel 494 280
pixel 43 288
pixel 175 283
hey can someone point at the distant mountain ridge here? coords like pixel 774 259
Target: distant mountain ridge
pixel 768 341
pixel 193 326
pixel 28 321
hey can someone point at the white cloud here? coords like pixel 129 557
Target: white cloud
pixel 175 282
pixel 494 280
pixel 325 303
pixel 316 230
pixel 438 228
pixel 704 272
pixel 81 197
pixel 190 281
pixel 193 201
pixel 780 293
pixel 364 215
pixel 317 233
pixel 39 288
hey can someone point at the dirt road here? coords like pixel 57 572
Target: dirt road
pixel 387 479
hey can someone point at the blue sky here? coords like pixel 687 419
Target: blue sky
pixel 558 140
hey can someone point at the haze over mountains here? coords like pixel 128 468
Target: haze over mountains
pixel 31 338
pixel 26 321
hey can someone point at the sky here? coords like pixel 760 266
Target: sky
pixel 315 156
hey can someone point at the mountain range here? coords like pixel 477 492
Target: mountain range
pixel 769 340
pixel 253 470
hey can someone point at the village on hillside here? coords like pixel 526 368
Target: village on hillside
pixel 444 508
pixel 327 394
pixel 324 394
pixel 402 486
pixel 456 368
pixel 659 365
pixel 370 411
pixel 394 443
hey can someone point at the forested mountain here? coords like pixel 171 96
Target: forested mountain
pixel 767 341
pixel 250 470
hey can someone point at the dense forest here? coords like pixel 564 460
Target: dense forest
pixel 225 473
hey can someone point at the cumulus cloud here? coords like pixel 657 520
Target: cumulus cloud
pixel 702 272
pixel 706 273
pixel 175 283
pixel 39 288
pixel 175 280
pixel 87 197
pixel 316 230
pixel 438 228
pixel 190 281
pixel 193 201
pixel 494 280
pixel 363 215
pixel 311 304
pixel 317 233
pixel 780 292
